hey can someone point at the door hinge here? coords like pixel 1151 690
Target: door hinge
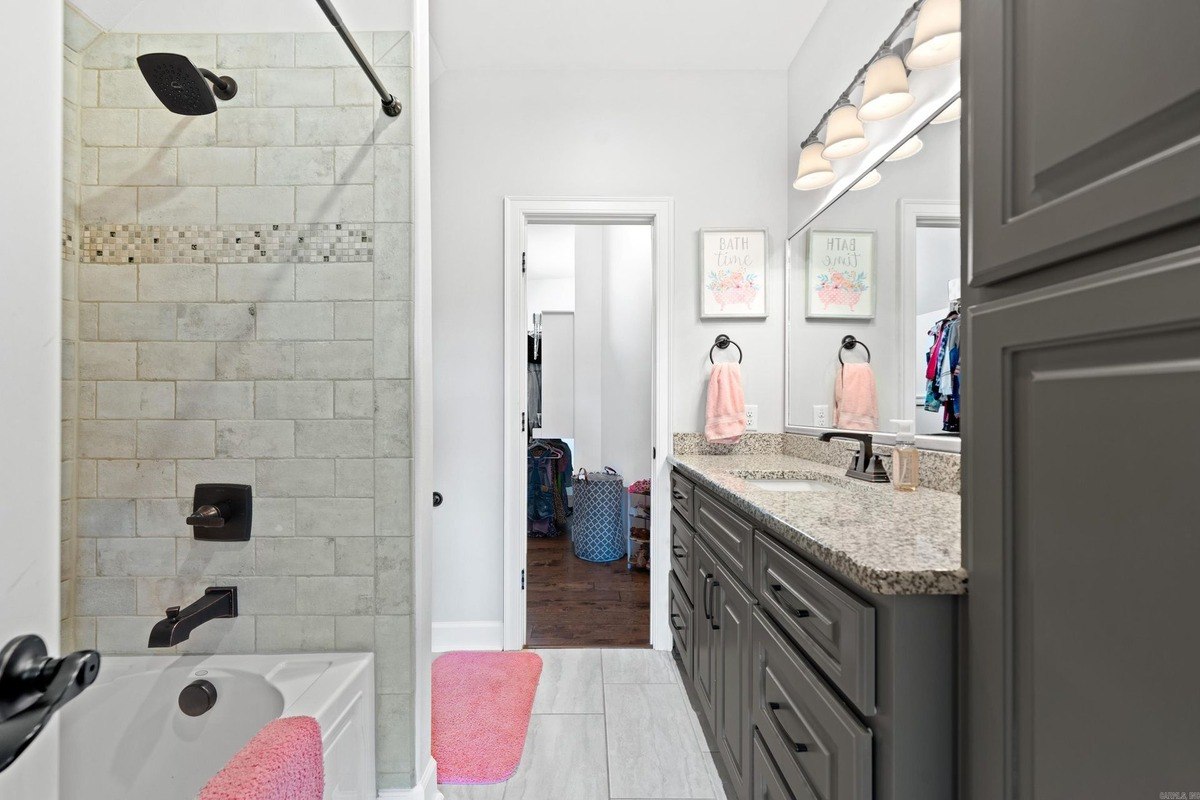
pixel 522 580
pixel 522 420
pixel 653 452
pixel 522 262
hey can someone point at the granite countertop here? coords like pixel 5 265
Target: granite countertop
pixel 885 541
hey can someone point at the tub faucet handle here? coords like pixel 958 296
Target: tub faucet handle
pixel 209 516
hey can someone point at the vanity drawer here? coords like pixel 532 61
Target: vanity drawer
pixel 682 497
pixel 731 536
pixel 681 622
pixel 832 626
pixel 818 746
pixel 682 555
pixel 768 783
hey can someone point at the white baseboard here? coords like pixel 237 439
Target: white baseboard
pixel 426 788
pixel 481 635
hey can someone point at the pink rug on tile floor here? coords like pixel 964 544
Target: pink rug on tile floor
pixel 481 708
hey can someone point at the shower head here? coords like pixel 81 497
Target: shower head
pixel 181 86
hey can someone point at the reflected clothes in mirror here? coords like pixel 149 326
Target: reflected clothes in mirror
pixel 855 398
pixel 534 404
pixel 942 372
pixel 548 476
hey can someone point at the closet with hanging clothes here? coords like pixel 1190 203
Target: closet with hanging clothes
pixel 943 369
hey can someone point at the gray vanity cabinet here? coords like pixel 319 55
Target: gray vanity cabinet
pixel 732 606
pixel 807 688
pixel 1081 164
pixel 706 658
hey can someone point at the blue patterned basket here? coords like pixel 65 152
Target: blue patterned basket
pixel 598 522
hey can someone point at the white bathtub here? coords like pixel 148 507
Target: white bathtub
pixel 125 738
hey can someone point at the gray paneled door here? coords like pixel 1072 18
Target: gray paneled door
pixel 1085 120
pixel 1081 399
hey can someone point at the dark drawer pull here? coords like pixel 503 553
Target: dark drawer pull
pixel 796 746
pixel 776 588
pixel 715 585
pixel 678 495
pixel 707 613
pixel 673 625
pixel 679 550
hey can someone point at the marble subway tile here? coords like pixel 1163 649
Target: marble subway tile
pixel 334 281
pixel 191 471
pixel 256 50
pixel 216 166
pixel 176 361
pixel 176 282
pixel 336 360
pixel 221 322
pixel 355 477
pixel 135 557
pixel 255 360
pixel 256 127
pixel 336 516
pixel 135 479
pixel 337 125
pixel 294 166
pixel 109 127
pixel 296 87
pixel 353 320
pixel 295 322
pixel 295 634
pixel 175 439
pixel 299 477
pixel 239 203
pixel 158 127
pixel 293 399
pixel 177 205
pixel 256 282
pixel 135 400
pixel 215 400
pixel 256 439
pixel 334 438
pixel 295 556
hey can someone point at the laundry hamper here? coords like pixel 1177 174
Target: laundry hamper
pixel 598 524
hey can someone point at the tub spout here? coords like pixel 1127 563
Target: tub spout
pixel 218 602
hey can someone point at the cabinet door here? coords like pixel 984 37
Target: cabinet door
pixel 733 605
pixel 1080 128
pixel 705 658
pixel 1082 546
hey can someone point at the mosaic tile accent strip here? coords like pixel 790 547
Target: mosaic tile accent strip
pixel 283 243
pixel 68 240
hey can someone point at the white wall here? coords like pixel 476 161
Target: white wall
pixel 714 141
pixel 589 346
pixel 626 359
pixel 31 47
pixel 932 174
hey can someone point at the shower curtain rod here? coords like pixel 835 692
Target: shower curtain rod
pixel 391 106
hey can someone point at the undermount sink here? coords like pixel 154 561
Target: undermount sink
pixel 791 485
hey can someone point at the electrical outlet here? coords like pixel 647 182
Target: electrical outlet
pixel 820 416
pixel 751 418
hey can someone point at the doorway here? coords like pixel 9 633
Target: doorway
pixel 587 283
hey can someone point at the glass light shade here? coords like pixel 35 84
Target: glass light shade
pixel 844 136
pixel 867 181
pixel 938 39
pixel 885 92
pixel 949 114
pixel 907 150
pixel 814 171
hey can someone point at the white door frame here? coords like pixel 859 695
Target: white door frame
pixel 659 212
pixel 912 214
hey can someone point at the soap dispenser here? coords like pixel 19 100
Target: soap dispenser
pixel 905 458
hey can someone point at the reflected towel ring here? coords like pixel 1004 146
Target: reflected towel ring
pixel 849 343
pixel 723 342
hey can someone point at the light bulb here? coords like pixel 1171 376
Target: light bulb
pixel 867 181
pixel 814 171
pixel 844 136
pixel 938 38
pixel 910 148
pixel 885 91
pixel 950 113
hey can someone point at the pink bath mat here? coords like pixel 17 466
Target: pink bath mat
pixel 481 708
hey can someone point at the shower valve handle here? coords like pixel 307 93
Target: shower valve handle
pixel 33 686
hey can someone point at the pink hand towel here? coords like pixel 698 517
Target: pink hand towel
pixel 725 419
pixel 282 762
pixel 855 403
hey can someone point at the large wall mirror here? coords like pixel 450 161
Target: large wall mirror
pixel 873 298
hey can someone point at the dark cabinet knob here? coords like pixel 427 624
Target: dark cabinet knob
pixel 197 698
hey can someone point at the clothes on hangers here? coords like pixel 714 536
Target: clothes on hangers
pixel 942 372
pixel 548 475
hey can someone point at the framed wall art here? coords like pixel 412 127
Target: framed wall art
pixel 733 273
pixel 840 275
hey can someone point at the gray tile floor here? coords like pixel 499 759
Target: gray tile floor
pixel 608 724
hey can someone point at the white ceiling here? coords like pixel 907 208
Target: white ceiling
pixel 240 16
pixel 550 251
pixel 621 34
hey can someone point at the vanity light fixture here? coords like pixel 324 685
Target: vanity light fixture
pixel 844 136
pixel 814 172
pixel 950 113
pixel 867 181
pixel 907 150
pixel 885 92
pixel 938 39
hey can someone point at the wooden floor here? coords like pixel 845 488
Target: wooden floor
pixel 575 603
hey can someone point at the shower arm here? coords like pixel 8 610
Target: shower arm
pixel 391 106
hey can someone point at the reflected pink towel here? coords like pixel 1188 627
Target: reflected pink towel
pixel 855 402
pixel 282 762
pixel 725 418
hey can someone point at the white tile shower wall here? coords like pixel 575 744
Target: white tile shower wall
pixel 245 316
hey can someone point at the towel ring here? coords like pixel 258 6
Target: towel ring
pixel 723 342
pixel 849 343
